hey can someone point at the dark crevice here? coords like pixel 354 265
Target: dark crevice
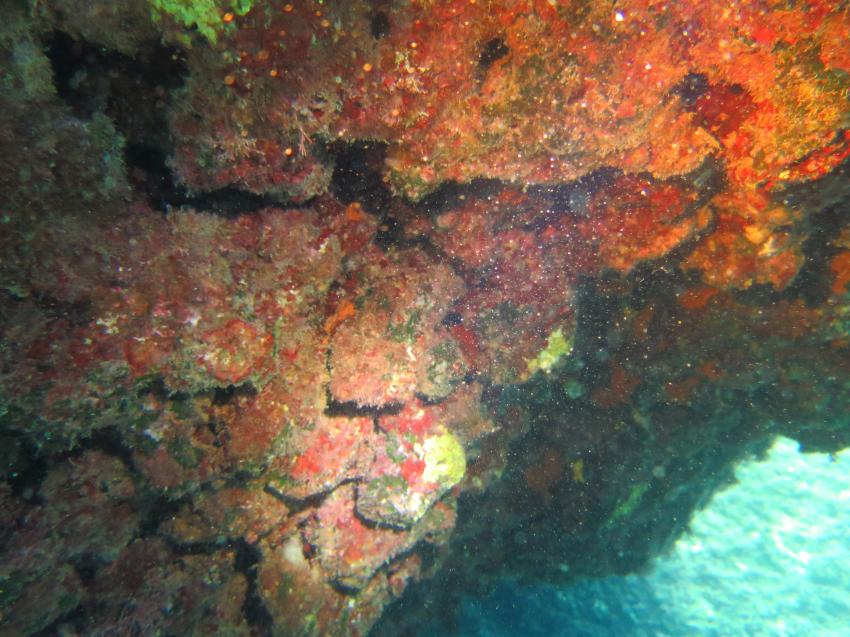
pixel 30 472
pixel 574 197
pixel 75 617
pixel 312 501
pixel 451 195
pixel 229 394
pixel 157 388
pixel 109 441
pixel 352 409
pixel 691 88
pixel 134 93
pixel 493 50
pixel 220 433
pixel 451 319
pixel 154 179
pixel 86 567
pixel 33 466
pixel 69 59
pixel 246 561
pixel 379 24
pixel 357 176
pixel 155 509
pixel 150 174
pixel 391 233
pixel 89 77
pixel 814 281
pixel 343 589
pixel 77 313
pixel 210 547
pixel 232 202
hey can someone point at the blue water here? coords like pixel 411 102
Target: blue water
pixel 768 557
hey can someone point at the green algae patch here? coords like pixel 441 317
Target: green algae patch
pixel 445 460
pixel 204 15
pixel 627 507
pixel 557 346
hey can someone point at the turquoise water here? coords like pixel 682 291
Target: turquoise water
pixel 768 557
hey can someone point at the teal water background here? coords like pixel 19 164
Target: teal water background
pixel 767 557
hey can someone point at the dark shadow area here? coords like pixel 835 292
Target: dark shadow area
pixel 379 24
pixel 133 92
pixel 452 195
pixel 357 175
pixel 255 612
pixel 691 88
pixel 26 468
pixel 354 410
pixel 814 281
pixel 493 50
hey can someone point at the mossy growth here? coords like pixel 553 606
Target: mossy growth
pixel 557 345
pixel 446 369
pixel 627 506
pixel 445 460
pixel 407 331
pixel 12 587
pixel 207 16
pixel 184 452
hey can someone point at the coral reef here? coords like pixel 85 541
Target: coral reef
pixel 316 316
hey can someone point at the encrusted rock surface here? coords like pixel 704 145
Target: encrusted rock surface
pixel 316 316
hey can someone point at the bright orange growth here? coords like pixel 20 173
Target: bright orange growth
pixel 750 243
pixel 723 108
pixel 840 267
pixel 353 554
pixel 834 51
pixel 346 310
pixel 647 220
pixel 821 161
pixel 354 212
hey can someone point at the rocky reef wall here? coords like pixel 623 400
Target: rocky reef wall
pixel 316 316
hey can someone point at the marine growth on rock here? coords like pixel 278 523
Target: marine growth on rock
pixel 317 316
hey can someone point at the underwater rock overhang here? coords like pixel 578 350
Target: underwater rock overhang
pixel 308 308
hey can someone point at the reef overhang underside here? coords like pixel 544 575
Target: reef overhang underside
pixel 317 316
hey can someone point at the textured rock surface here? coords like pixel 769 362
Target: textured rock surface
pixel 310 308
